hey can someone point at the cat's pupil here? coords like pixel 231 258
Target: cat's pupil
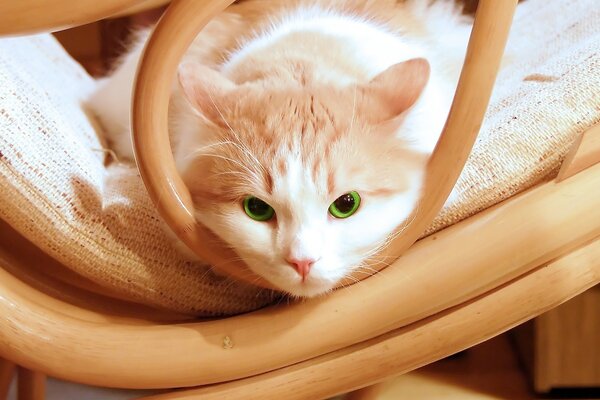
pixel 345 203
pixel 258 207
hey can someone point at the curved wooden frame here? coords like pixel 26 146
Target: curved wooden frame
pixel 166 46
pixel 418 344
pixel 31 16
pixel 109 351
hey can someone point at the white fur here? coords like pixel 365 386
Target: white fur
pixel 303 228
pixel 374 48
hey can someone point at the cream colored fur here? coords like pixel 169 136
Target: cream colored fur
pixel 297 103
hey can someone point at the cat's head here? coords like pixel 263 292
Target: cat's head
pixel 303 181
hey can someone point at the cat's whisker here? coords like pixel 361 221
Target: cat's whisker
pixel 231 160
pixel 230 173
pixel 210 146
pixel 233 281
pixel 245 150
pixel 401 229
pixel 347 286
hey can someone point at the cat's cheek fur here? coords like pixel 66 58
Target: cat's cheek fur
pixel 340 245
pixel 262 248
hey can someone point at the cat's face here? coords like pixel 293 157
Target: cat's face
pixel 304 183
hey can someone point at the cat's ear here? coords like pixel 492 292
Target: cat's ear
pixel 205 89
pixel 396 89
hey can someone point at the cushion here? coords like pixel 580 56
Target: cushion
pixel 545 96
pixel 56 190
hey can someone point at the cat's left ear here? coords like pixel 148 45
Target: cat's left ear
pixel 396 89
pixel 205 89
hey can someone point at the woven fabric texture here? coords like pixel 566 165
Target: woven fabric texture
pixel 545 96
pixel 56 191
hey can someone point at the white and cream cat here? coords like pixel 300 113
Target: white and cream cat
pixel 303 128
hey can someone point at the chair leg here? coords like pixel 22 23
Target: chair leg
pixel 31 385
pixel 7 372
pixel 367 393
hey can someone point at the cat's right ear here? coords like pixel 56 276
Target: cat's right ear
pixel 205 89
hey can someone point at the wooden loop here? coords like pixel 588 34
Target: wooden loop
pixel 171 37
pixel 406 349
pixel 40 332
pixel 165 48
pixel 146 5
pixel 484 54
pixel 31 16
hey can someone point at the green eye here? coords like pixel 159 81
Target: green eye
pixel 345 205
pixel 257 209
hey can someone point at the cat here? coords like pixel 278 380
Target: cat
pixel 303 128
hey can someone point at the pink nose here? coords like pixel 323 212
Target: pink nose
pixel 302 266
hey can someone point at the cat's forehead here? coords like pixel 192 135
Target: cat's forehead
pixel 322 106
pixel 295 182
pixel 297 122
pixel 305 141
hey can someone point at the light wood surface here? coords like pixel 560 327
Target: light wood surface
pixel 567 344
pixel 584 153
pixel 428 340
pixel 368 393
pixel 31 16
pixel 7 372
pixel 146 5
pixel 493 247
pixel 172 36
pixel 31 385
pixel 488 371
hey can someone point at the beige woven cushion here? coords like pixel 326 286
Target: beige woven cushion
pixel 56 191
pixel 547 93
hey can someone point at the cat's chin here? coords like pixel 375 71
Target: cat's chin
pixel 308 289
pixel 309 292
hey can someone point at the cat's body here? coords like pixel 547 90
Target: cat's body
pixel 286 109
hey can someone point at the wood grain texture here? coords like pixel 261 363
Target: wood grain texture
pixel 31 16
pixel 584 153
pixel 487 371
pixel 177 28
pixel 567 344
pixel 7 372
pixel 418 344
pixel 368 393
pixel 144 6
pixel 494 247
pixel 31 385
